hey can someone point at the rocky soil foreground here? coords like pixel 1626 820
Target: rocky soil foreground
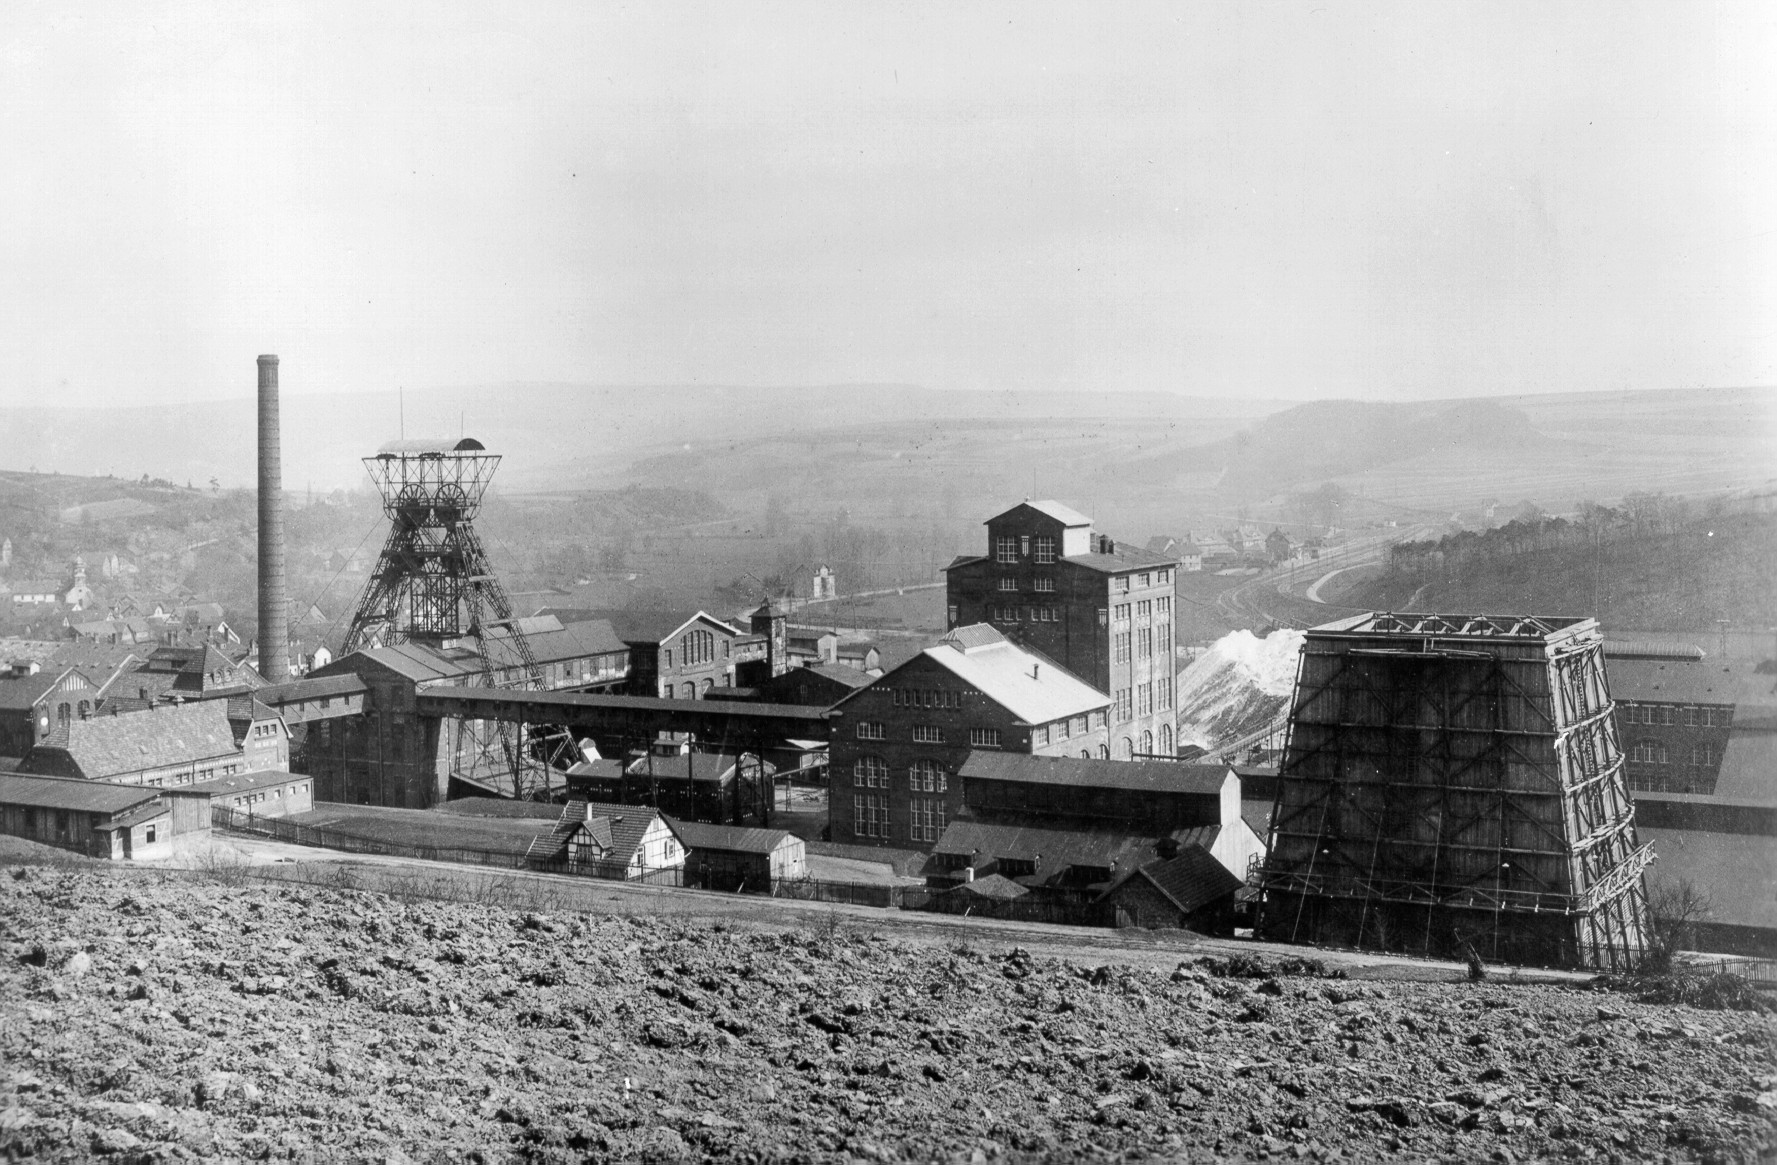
pixel 158 1017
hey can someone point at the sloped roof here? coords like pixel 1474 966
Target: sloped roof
pixel 1191 880
pixel 1142 776
pixel 165 736
pixel 628 825
pixel 734 838
pixel 996 886
pixel 1123 557
pixel 24 691
pixel 71 793
pixel 245 782
pixel 1257 815
pixel 701 766
pixel 1032 687
pixel 652 627
pixel 1688 682
pixel 311 688
pixel 1057 848
pixel 1066 515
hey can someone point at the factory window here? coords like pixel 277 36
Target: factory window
pixel 1704 754
pixel 954 614
pixel 869 772
pixel 1144 611
pixel 1649 752
pixel 1127 748
pixel 1062 728
pixel 1163 638
pixel 1147 743
pixel 1163 607
pixel 1690 716
pixel 1079 726
pixel 1144 642
pixel 697 647
pixel 1718 717
pixel 1147 580
pixel 1120 647
pixel 1045 584
pixel 667 655
pixel 85 709
pixel 1045 548
pixel 1024 545
pixel 1099 719
pixel 63 713
pixel 927 819
pixel 1039 736
pixel 1144 700
pixel 1165 577
pixel 1125 705
pixel 1085 754
pixel 1120 613
pixel 984 737
pixel 1166 740
pixel 1666 714
pixel 707 685
pixel 928 734
pixel 148 834
pixel 926 776
pixel 688 691
pixel 1103 617
pixel 870 815
pixel 1008 583
pixel 872 730
pixel 1163 692
pixel 1120 584
pixel 1006 550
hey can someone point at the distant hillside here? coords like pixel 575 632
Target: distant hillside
pixel 1721 567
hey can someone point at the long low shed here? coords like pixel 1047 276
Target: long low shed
pixel 99 818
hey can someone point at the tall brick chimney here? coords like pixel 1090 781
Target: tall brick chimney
pixel 274 610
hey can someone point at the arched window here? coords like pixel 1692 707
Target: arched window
pixel 1085 754
pixel 688 691
pixel 85 709
pixel 708 684
pixel 870 772
pixel 1649 751
pixel 925 776
pixel 1127 749
pixel 64 713
pixel 1166 740
pixel 1147 742
pixel 1104 752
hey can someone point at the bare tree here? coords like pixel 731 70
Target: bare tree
pixel 1674 908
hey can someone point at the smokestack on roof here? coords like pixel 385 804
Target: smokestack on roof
pixel 274 611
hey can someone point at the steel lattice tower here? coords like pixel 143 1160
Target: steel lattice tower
pixel 433 585
pixel 1453 785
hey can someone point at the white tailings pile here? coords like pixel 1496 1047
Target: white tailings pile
pixel 1238 686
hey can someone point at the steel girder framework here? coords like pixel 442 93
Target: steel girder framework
pixel 1454 785
pixel 433 585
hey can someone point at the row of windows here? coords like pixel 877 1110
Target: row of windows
pixel 1142 581
pixel 1691 715
pixel 1653 752
pixel 1142 645
pixel 926 698
pixel 1010 614
pixel 1043 584
pixel 1066 729
pixel 1010 548
pixel 870 817
pixel 923 775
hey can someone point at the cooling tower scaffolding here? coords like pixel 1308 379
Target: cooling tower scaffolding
pixel 1453 784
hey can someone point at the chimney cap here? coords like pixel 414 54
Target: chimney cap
pixel 268 359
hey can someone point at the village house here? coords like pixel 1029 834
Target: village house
pixel 1101 609
pixel 100 819
pixel 898 743
pixel 622 842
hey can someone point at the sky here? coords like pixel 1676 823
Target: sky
pixel 1219 199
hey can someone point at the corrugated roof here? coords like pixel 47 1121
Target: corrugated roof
pixel 1738 871
pixel 698 835
pixel 1032 688
pixel 71 793
pixel 169 735
pixel 1191 880
pixel 1142 776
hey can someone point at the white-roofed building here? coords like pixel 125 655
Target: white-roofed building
pixel 897 744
